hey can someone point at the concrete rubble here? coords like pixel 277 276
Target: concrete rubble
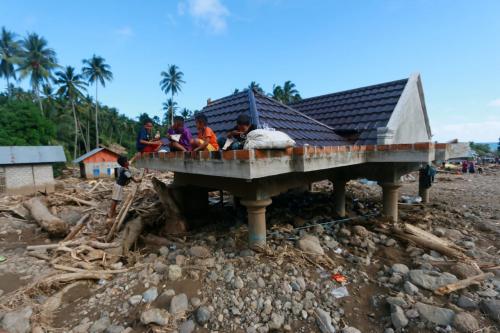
pixel 208 280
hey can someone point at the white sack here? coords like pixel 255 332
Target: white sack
pixel 267 139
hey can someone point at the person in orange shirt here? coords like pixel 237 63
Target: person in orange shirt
pixel 207 140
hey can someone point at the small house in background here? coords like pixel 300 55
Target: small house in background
pixel 28 169
pixel 98 163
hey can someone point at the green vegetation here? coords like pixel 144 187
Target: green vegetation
pixel 480 148
pixel 171 82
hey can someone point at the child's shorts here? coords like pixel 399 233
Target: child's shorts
pixel 209 146
pixel 117 194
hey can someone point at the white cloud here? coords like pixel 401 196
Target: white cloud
pixel 124 31
pixel 486 131
pixel 210 13
pixel 495 103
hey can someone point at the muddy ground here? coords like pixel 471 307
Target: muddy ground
pixel 218 285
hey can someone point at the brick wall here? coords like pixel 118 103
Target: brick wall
pixel 25 179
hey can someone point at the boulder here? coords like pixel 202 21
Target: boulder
pixel 179 305
pixel 324 321
pixel 465 322
pixel 431 280
pixel 187 327
pixel 155 316
pixel 200 252
pixel 202 315
pixel 434 314
pixel 18 321
pixel 150 295
pixel 401 269
pixel 491 308
pixel 174 272
pixel 398 317
pixel 310 244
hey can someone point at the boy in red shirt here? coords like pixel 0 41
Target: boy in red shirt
pixel 207 140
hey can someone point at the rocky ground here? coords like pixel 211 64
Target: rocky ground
pixel 348 276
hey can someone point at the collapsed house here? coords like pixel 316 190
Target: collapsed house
pixel 379 132
pixel 28 169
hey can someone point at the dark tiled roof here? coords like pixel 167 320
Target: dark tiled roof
pixel 222 114
pixel 360 110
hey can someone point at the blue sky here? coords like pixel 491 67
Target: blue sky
pixel 322 46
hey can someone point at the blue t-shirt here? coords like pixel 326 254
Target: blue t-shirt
pixel 143 135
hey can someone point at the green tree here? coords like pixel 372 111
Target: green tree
pixel 255 86
pixel 9 55
pixel 96 71
pixel 22 124
pixel 171 82
pixel 286 94
pixel 71 86
pixel 480 148
pixel 169 107
pixel 186 113
pixel 37 61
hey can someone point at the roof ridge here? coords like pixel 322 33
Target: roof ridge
pixel 296 111
pixel 350 90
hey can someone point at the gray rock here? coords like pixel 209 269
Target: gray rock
pixel 390 242
pixel 200 252
pixel 434 314
pixel 310 244
pixel 398 317
pixel 260 282
pixel 302 282
pixel 467 303
pixel 397 301
pixel 155 316
pixel 487 293
pixel 134 300
pixel 324 321
pixel 238 283
pixel 174 272
pixel 431 281
pixel 114 329
pixel 401 269
pixel 160 267
pixel 18 321
pixel 179 305
pixel 202 315
pixel 276 322
pixel 410 288
pixel 388 330
pixel 350 329
pixel 491 308
pixel 100 325
pixel 187 327
pixel 412 314
pixel 360 231
pixel 465 322
pixel 164 251
pixel 195 302
pixel 150 295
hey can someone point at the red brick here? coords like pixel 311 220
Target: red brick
pixel 179 154
pixel 423 145
pixel 228 155
pixel 261 153
pixel 404 146
pixel 205 154
pixel 342 148
pixel 370 148
pixel 440 145
pixel 289 151
pixel 216 155
pixel 328 149
pixel 383 147
pixel 362 148
pixel 242 154
pixel 276 153
pixel 355 148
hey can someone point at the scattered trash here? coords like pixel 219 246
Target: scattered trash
pixel 339 278
pixel 2 258
pixel 338 250
pixel 411 199
pixel 340 292
pixel 365 181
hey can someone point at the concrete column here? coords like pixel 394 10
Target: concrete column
pixel 256 210
pixel 390 196
pixel 339 196
pixel 423 193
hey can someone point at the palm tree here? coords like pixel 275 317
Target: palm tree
pixel 236 90
pixel 9 52
pixel 255 86
pixel 71 86
pixel 96 71
pixel 36 61
pixel 171 82
pixel 170 107
pixel 186 113
pixel 286 94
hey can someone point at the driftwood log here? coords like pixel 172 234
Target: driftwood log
pixel 126 238
pixel 50 223
pixel 175 223
pixel 449 288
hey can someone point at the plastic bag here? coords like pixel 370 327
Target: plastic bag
pixel 340 292
pixel 267 139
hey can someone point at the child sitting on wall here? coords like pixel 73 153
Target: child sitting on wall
pixel 179 135
pixel 124 176
pixel 235 139
pixel 207 140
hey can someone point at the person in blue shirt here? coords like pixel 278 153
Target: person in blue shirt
pixel 145 142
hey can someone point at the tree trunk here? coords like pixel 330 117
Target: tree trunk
pixel 82 133
pixel 76 129
pixel 88 130
pixel 172 111
pixel 50 223
pixel 37 92
pixel 96 117
pixel 175 222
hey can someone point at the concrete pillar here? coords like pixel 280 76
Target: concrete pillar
pixel 390 196
pixel 423 193
pixel 339 196
pixel 256 210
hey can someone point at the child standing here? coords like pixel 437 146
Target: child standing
pixel 207 140
pixel 124 177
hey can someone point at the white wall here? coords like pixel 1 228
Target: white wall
pixel 25 179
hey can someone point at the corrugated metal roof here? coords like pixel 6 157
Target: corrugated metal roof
pixel 10 155
pixel 93 152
